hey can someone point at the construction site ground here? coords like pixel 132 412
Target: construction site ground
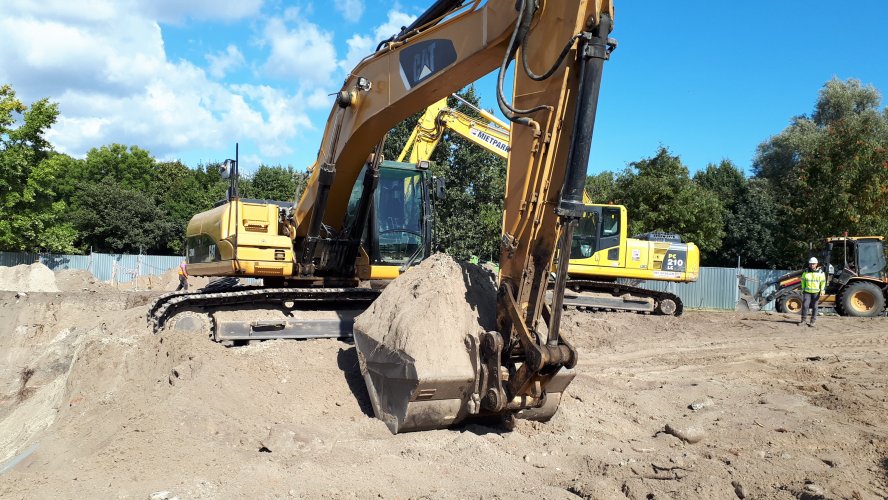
pixel 714 405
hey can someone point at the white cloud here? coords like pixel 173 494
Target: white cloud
pixel 300 50
pixel 107 68
pixel 223 62
pixel 351 10
pixel 170 11
pixel 174 11
pixel 361 46
pixel 319 99
pixel 392 26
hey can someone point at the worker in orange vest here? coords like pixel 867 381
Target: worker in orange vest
pixel 183 276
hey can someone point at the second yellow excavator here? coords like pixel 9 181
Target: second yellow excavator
pixel 601 251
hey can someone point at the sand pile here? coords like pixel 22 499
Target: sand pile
pixel 421 335
pixel 77 280
pixel 28 278
pixel 168 281
pixel 93 405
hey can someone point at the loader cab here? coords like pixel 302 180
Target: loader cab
pixel 863 256
pixel 398 229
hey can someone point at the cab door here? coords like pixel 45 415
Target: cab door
pixel 611 250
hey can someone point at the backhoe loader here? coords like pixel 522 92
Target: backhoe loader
pixel 857 280
pixel 601 252
pixel 524 365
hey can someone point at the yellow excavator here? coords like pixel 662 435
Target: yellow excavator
pixel 521 367
pixel 601 252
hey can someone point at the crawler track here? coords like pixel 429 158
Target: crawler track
pixel 167 306
pixel 661 300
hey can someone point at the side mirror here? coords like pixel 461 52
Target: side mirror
pixel 439 188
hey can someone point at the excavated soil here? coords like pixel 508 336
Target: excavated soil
pixel 707 405
pixel 27 278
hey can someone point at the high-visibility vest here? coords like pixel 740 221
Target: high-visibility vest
pixel 813 281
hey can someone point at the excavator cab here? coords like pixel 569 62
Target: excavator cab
pixel 398 233
pixel 604 251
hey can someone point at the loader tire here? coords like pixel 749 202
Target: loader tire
pixel 790 303
pixel 861 299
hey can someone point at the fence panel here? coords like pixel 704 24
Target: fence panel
pixel 120 268
pixel 716 287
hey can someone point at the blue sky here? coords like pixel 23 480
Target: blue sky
pixel 186 80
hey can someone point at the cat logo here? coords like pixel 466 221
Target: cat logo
pixel 421 60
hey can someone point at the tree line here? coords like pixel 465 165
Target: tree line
pixel 823 175
pixel 116 199
pixel 826 173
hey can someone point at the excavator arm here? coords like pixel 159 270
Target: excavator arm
pixel 552 115
pixel 489 133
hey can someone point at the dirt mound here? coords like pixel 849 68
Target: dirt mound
pixel 426 321
pixel 78 280
pixel 167 281
pixel 706 405
pixel 441 295
pixel 28 278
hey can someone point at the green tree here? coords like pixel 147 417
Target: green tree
pixel 113 218
pixel 601 187
pixel 132 167
pixel 274 183
pixel 469 219
pixel 660 196
pixel 829 171
pixel 32 218
pixel 725 180
pixel 752 230
pixel 180 193
pixel 750 216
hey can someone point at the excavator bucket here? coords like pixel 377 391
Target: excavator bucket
pixel 419 350
pixel 410 394
pixel 415 393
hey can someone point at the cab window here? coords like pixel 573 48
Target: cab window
pixel 610 224
pixel 583 244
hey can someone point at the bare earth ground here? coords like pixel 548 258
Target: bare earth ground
pixel 93 405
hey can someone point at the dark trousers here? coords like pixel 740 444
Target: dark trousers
pixel 810 300
pixel 183 283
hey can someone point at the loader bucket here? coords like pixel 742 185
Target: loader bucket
pixel 415 391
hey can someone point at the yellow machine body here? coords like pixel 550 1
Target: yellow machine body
pixel 654 257
pixel 239 238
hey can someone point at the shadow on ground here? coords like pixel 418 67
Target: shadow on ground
pixel 347 360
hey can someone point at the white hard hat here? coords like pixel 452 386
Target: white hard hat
pixel 812 260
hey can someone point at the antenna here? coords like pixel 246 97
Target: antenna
pixel 229 170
